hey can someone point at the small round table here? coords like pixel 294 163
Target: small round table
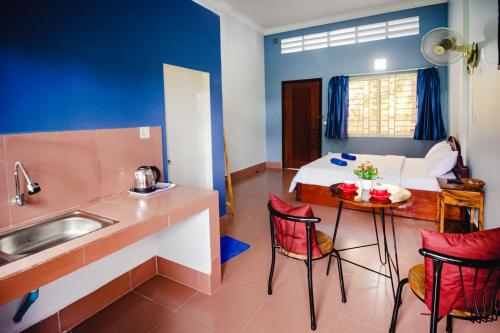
pixel 361 198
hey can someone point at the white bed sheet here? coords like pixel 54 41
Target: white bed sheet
pixel 414 176
pixel 324 173
pixel 397 170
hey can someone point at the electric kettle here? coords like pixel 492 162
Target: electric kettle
pixel 145 179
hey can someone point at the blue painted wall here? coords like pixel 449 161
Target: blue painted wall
pixel 401 53
pixel 94 64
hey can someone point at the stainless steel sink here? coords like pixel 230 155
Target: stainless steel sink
pixel 28 240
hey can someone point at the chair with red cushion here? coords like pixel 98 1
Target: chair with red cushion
pixel 294 235
pixel 460 278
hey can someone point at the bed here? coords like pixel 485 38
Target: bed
pixel 312 181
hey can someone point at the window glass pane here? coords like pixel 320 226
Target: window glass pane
pixel 383 105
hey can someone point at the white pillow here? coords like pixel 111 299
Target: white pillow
pixel 443 145
pixel 441 162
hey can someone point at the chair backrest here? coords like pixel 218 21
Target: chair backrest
pixel 294 233
pixel 479 283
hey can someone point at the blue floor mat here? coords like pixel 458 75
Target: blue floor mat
pixel 230 247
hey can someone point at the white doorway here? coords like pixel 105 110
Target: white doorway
pixel 188 126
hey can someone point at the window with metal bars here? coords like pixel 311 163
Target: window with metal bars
pixel 383 105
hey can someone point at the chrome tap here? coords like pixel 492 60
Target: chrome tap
pixel 32 187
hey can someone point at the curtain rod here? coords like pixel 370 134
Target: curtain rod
pixel 387 72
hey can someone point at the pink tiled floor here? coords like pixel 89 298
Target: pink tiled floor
pixel 241 304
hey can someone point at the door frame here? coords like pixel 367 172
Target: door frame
pixel 203 104
pixel 320 118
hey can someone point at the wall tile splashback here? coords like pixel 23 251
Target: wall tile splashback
pixel 72 168
pixel 120 155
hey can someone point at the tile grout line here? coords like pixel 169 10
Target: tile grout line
pixel 161 322
pixel 172 311
pixel 105 306
pixel 94 313
pixel 266 299
pixel 187 316
pixel 184 317
pixel 246 284
pixel 187 300
pixel 338 323
pixel 4 144
pixel 180 282
pixel 363 322
pixel 134 290
pixel 152 300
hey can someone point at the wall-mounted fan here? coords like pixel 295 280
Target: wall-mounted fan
pixel 443 46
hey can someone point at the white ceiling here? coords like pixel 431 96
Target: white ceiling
pixel 272 16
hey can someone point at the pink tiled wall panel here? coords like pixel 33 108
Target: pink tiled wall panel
pixel 72 168
pixel 4 196
pixel 120 155
pixel 63 163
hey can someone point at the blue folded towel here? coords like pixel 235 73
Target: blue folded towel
pixel 338 162
pixel 349 157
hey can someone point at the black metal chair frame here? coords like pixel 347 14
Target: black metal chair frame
pixel 477 308
pixel 309 221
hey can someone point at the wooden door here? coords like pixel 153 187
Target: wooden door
pixel 301 122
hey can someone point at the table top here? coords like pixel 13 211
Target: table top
pixel 444 185
pixel 399 196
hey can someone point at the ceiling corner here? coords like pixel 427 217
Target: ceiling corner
pixel 222 7
pixel 354 14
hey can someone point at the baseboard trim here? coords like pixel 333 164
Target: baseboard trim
pixel 204 283
pixel 273 165
pixel 238 175
pixel 251 170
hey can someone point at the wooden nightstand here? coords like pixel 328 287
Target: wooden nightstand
pixel 459 195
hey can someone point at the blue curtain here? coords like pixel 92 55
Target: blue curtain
pixel 338 104
pixel 430 124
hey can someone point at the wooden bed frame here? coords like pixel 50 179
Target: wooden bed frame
pixel 423 206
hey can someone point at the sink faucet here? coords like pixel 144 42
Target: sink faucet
pixel 32 187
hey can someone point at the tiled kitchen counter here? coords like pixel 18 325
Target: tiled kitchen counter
pixel 138 219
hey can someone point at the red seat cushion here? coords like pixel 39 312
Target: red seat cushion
pixel 290 235
pixel 482 245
